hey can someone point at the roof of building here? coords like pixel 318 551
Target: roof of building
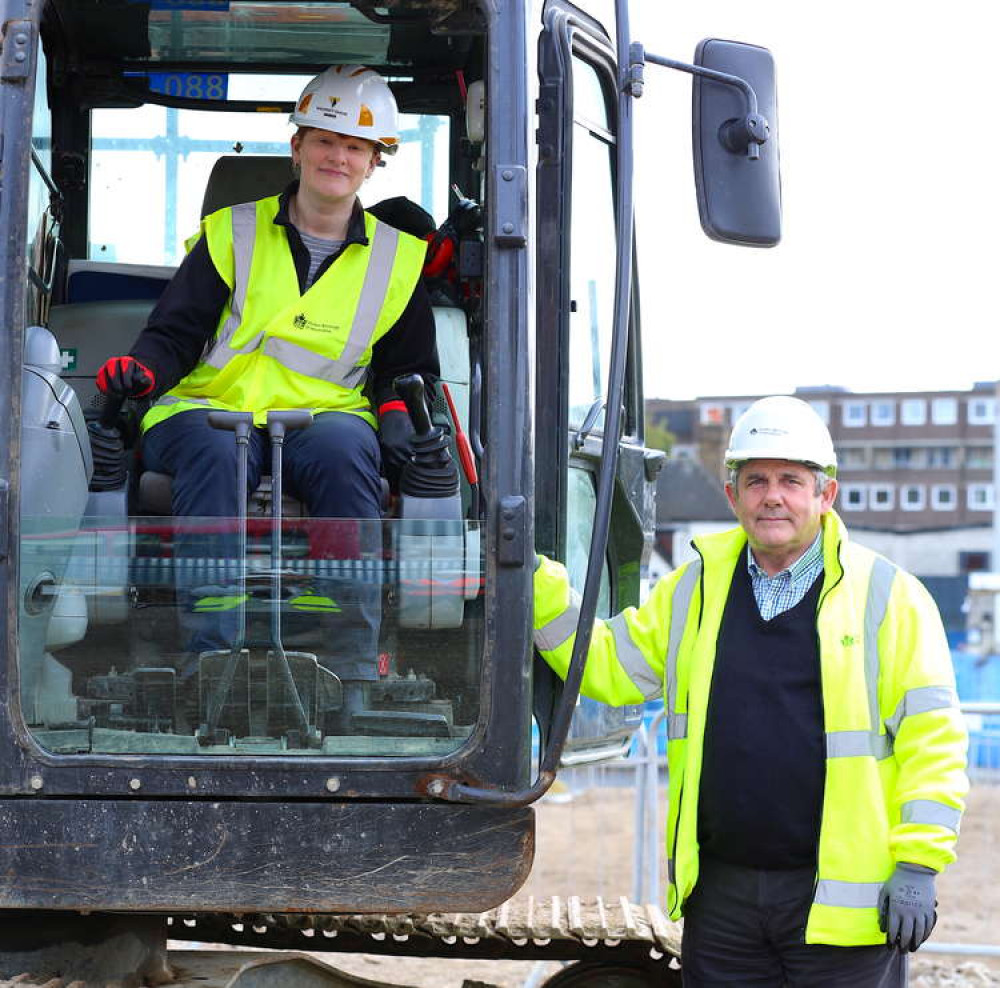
pixel 685 491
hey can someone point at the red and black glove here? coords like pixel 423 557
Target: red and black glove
pixel 395 436
pixel 125 377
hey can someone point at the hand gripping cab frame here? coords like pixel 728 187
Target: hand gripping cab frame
pixel 259 788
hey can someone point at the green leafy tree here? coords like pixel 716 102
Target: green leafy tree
pixel 658 436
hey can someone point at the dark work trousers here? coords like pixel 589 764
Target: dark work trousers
pixel 333 467
pixel 746 927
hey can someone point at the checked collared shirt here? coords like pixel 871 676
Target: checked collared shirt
pixel 778 593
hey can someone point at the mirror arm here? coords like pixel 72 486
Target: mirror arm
pixel 737 135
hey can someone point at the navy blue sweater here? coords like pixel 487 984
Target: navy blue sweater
pixel 761 792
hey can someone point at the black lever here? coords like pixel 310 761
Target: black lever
pixel 410 387
pixel 107 447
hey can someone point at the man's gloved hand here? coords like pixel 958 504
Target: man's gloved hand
pixel 907 906
pixel 395 435
pixel 125 377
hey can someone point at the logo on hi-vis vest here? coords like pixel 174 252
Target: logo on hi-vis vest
pixel 847 641
pixel 303 322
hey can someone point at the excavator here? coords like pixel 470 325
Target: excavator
pixel 252 796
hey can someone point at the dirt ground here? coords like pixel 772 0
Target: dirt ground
pixel 585 848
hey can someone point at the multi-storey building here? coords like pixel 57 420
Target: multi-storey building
pixel 910 464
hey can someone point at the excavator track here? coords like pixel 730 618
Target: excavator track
pixel 555 928
pixel 615 944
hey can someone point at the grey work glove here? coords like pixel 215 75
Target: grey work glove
pixel 907 906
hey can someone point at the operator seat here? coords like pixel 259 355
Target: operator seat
pixel 239 178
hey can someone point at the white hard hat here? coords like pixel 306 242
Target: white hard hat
pixel 352 100
pixel 781 428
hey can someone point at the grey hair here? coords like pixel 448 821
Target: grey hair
pixel 822 477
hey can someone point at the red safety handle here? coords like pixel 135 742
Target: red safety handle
pixel 465 456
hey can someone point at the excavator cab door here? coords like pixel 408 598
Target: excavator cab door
pixel 578 243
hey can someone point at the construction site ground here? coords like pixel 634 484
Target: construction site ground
pixel 585 847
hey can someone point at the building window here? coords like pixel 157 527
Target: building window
pixel 880 497
pixel 854 414
pixel 913 411
pixel 882 458
pixel 852 458
pixel 973 562
pixel 979 457
pixel 904 457
pixel 853 497
pixel 943 497
pixel 911 497
pixel 980 497
pixel 941 456
pixel 981 411
pixel 822 409
pixel 944 411
pixel 883 413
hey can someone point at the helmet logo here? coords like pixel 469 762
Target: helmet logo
pixel 365 118
pixel 765 431
pixel 334 100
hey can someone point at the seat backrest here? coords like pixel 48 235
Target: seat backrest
pixel 244 177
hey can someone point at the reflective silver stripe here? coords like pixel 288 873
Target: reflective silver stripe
pixel 879 587
pixel 671 873
pixel 371 300
pixel 679 607
pixel 645 678
pixel 931 813
pixel 855 744
pixel 244 220
pixel 174 400
pixel 550 636
pixel 677 727
pixel 874 744
pixel 919 701
pixel 849 895
pixel 309 364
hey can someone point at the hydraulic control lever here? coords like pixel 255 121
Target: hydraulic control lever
pixel 431 473
pixel 107 447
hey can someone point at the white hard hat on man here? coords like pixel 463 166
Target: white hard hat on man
pixel 782 428
pixel 351 100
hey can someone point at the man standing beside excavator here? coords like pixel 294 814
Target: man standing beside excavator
pixel 816 752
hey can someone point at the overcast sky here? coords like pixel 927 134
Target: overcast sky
pixel 886 276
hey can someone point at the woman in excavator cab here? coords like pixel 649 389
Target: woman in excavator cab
pixel 299 301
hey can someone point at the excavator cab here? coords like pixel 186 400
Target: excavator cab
pixel 266 777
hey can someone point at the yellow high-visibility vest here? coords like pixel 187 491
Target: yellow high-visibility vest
pixel 895 739
pixel 277 349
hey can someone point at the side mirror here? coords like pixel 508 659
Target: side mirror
pixel 735 151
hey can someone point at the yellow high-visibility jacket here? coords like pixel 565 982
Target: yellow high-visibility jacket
pixel 895 739
pixel 275 348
